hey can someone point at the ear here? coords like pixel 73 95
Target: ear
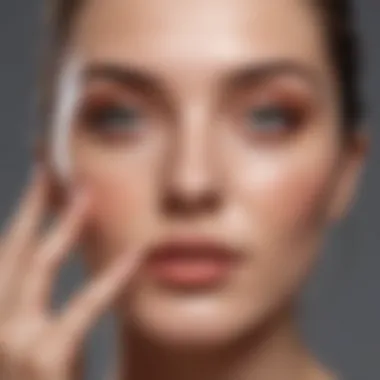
pixel 349 170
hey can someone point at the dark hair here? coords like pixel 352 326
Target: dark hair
pixel 342 40
pixel 340 34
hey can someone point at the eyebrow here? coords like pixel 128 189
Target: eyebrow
pixel 124 75
pixel 257 74
pixel 250 75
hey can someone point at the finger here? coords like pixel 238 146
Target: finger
pixel 29 211
pixel 87 307
pixel 38 284
pixel 22 229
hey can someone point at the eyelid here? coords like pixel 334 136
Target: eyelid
pixel 137 96
pixel 97 101
pixel 293 103
pixel 89 110
pixel 108 93
pixel 273 92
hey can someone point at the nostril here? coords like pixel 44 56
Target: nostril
pixel 190 204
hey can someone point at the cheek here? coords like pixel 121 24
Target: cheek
pixel 285 201
pixel 117 196
pixel 287 197
pixel 122 191
pixel 290 195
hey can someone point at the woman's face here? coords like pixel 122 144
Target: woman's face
pixel 209 121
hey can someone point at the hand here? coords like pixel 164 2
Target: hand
pixel 34 343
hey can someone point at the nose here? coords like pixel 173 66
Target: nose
pixel 192 187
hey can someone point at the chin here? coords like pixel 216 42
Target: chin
pixel 204 320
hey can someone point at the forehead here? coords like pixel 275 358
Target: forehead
pixel 200 34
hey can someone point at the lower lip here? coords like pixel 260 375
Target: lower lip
pixel 190 272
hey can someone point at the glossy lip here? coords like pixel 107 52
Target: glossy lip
pixel 192 262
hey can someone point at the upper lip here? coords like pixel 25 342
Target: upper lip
pixel 193 247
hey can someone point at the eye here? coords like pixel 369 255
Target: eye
pixel 113 118
pixel 271 119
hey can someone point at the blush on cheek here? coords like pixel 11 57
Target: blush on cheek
pixel 116 200
pixel 289 198
pixel 286 204
pixel 115 213
pixel 124 187
pixel 303 198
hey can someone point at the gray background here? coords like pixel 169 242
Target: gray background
pixel 341 312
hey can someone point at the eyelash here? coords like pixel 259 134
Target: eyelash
pixel 286 120
pixel 111 118
pixel 267 121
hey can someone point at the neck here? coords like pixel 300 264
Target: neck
pixel 274 353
